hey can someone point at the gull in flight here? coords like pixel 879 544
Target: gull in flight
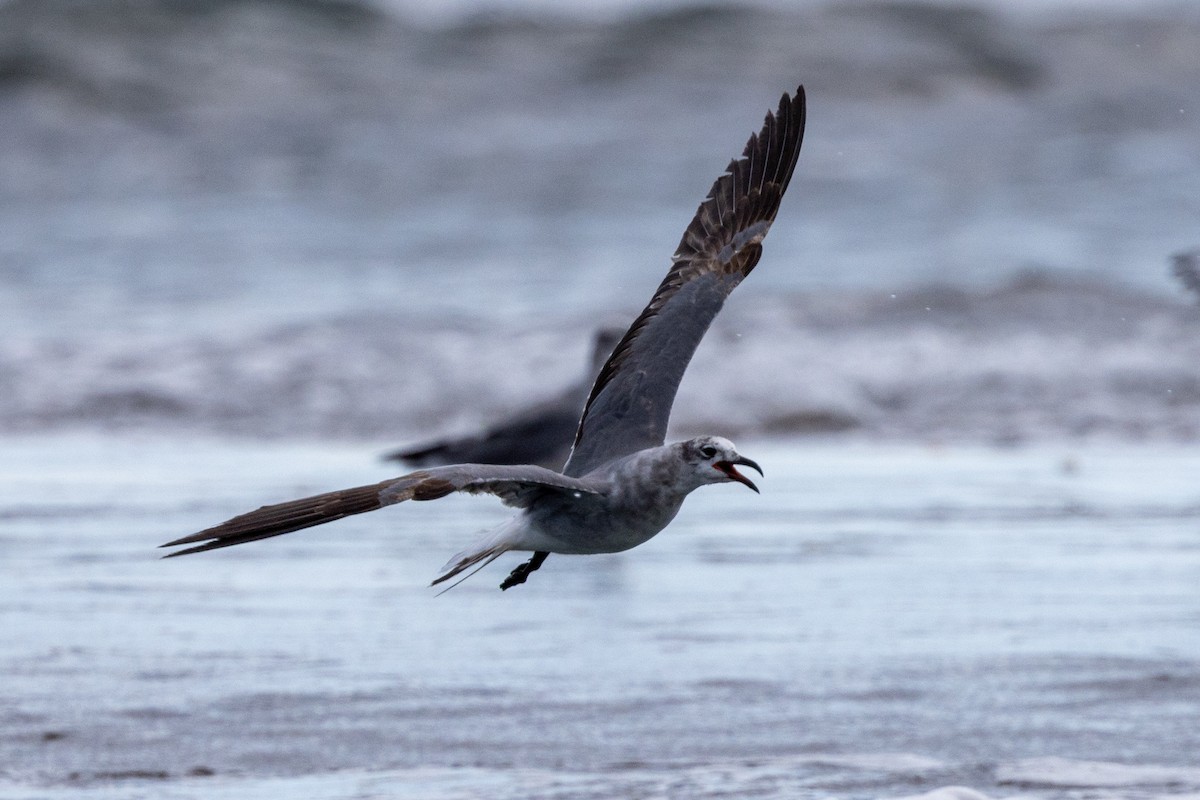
pixel 621 484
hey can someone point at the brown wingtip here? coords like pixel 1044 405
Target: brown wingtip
pixel 197 549
pixel 281 518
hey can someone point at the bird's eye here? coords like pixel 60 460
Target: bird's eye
pixel 708 451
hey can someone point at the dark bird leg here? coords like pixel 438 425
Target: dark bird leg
pixel 521 573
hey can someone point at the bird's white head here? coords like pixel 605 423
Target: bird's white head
pixel 715 460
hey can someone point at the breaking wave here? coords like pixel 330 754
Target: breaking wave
pixel 1036 358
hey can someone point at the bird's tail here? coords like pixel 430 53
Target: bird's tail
pixel 467 559
pixel 483 552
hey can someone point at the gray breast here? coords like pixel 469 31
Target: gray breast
pixel 640 497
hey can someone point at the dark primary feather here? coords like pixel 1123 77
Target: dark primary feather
pixel 630 403
pixel 518 486
pixel 281 518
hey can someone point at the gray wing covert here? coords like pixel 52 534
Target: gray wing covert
pixel 630 403
pixel 518 486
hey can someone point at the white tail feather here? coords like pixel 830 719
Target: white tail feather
pixel 486 561
pixel 467 559
pixel 486 550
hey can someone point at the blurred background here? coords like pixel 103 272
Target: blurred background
pixel 248 246
pixel 373 219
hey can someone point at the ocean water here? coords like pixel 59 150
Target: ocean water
pixel 883 621
pixel 387 223
pixel 247 246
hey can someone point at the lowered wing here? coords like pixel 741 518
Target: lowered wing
pixel 517 486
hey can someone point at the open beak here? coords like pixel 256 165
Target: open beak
pixel 730 470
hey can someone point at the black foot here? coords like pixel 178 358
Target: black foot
pixel 521 573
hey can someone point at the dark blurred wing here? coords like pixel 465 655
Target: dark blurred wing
pixel 540 436
pixel 517 486
pixel 1186 267
pixel 630 403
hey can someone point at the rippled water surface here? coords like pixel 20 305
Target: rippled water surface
pixel 881 621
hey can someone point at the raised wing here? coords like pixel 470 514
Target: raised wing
pixel 517 486
pixel 630 403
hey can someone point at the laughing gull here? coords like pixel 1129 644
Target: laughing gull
pixel 621 484
pixel 541 434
